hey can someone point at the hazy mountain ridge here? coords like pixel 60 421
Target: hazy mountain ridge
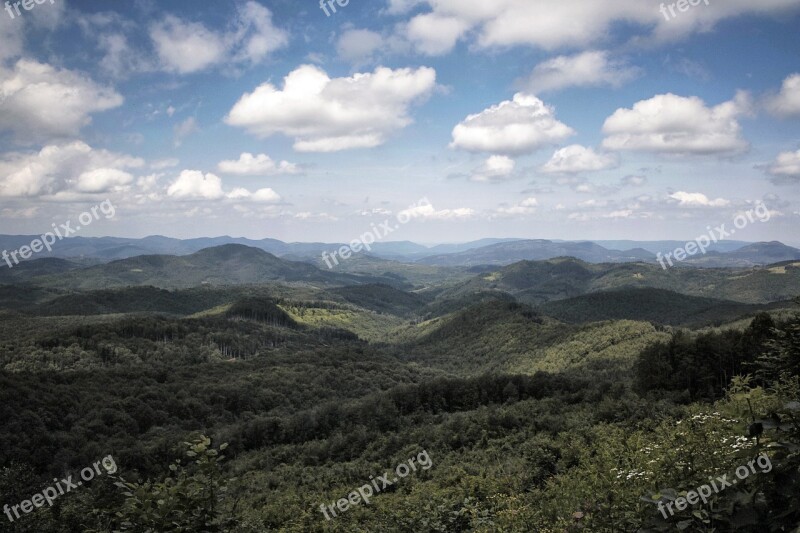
pixel 230 264
pixel 533 282
pixel 476 253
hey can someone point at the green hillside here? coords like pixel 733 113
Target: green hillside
pixel 531 416
pixel 543 281
pixel 231 264
pixel 653 305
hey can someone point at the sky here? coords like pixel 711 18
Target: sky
pixel 299 121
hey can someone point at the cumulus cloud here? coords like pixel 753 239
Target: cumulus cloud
pixel 671 124
pixel 185 47
pixel 262 196
pixel 787 102
pixel 329 115
pixel 696 199
pixel 526 207
pixel 194 185
pixel 587 69
pixel 786 168
pixel 255 36
pixel 552 24
pixel 576 158
pixel 428 212
pixel 41 103
pixel 256 165
pixel 102 179
pixel 68 168
pixel 495 168
pixel 518 126
pixel 433 34
pixel 356 45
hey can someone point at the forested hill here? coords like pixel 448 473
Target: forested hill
pixel 223 265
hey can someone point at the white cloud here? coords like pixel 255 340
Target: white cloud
pixel 73 167
pixel 552 24
pixel 787 102
pixel 255 36
pixel 433 34
pixel 495 168
pixel 329 115
pixel 262 196
pixel 358 45
pixel 185 47
pixel 194 185
pixel 526 207
pixel 149 182
pixel 13 30
pixel 120 58
pixel 696 199
pixel 102 179
pixel 258 165
pixel 374 211
pixel 576 158
pixel 786 167
pixel 587 69
pixel 40 103
pixel 307 215
pixel 672 124
pixel 518 126
pixel 428 212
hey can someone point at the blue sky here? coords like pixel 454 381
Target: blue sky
pixel 561 119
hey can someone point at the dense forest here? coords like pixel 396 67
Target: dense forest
pixel 256 408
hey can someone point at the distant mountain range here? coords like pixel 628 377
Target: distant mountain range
pixel 484 252
pixel 505 253
pixel 230 264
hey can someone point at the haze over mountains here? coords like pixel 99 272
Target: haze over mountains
pixel 469 254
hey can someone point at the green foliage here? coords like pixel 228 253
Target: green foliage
pixel 184 501
pixel 261 310
pixel 654 305
pixel 704 364
pixel 533 424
